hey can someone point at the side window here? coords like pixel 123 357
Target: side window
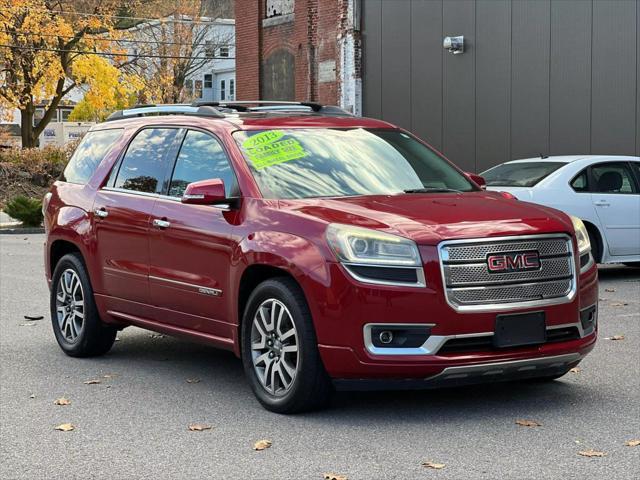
pixel 144 166
pixel 201 158
pixel 579 183
pixel 612 178
pixel 88 155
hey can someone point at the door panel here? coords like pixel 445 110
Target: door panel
pixel 616 200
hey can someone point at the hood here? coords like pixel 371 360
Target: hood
pixel 429 219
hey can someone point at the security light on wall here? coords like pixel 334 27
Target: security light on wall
pixel 455 45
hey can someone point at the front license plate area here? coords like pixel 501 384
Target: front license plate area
pixel 520 329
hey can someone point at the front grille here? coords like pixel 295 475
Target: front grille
pixel 469 285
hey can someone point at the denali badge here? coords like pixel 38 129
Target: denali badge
pixel 513 261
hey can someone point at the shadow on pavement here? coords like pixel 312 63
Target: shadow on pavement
pixel 618 271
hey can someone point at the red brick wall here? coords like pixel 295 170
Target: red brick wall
pixel 312 38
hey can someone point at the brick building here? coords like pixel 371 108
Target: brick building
pixel 298 50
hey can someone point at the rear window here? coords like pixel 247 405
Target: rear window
pixel 88 155
pixel 520 174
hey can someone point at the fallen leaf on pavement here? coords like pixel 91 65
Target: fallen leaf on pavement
pixel 619 304
pixel 334 476
pixel 111 375
pixel 27 324
pixel 193 380
pixel 92 382
pixel 591 453
pixel 575 370
pixel 615 337
pixel 156 335
pixel 65 427
pixel 632 443
pixel 199 427
pixel 528 423
pixel 33 317
pixel 435 466
pixel 610 290
pixel 262 444
pixel 33 395
pixel 62 401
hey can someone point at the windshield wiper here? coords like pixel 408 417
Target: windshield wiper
pixel 431 190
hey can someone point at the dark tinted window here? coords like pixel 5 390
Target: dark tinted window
pixel 324 162
pixel 520 174
pixel 144 166
pixel 201 158
pixel 612 178
pixel 88 155
pixel 579 183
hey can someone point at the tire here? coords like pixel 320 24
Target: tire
pixel 76 323
pixel 268 366
pixel 596 247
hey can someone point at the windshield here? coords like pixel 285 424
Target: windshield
pixel 304 163
pixel 520 174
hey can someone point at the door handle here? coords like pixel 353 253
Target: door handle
pixel 157 222
pixel 101 212
pixel 601 203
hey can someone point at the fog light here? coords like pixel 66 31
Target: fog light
pixel 386 337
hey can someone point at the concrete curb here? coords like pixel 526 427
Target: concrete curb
pixel 19 230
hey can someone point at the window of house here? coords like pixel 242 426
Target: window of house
pixel 198 88
pixel 37 116
pixel 90 152
pixel 276 8
pixel 64 115
pixel 232 89
pixel 188 85
pixel 223 92
pixel 201 158
pixel 224 52
pixel 144 166
pixel 209 49
pixel 208 81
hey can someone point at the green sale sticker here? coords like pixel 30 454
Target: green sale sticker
pixel 268 148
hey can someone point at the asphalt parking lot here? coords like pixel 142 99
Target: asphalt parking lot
pixel 134 423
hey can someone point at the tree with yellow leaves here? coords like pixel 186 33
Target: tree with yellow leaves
pixel 47 48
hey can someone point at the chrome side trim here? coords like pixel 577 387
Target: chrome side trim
pixel 498 368
pixel 419 275
pixel 215 292
pixel 494 307
pixel 429 347
pixel 221 206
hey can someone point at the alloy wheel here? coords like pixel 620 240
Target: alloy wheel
pixel 274 347
pixel 70 305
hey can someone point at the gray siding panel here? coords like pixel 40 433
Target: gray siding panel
pixel 372 51
pixel 459 85
pixel 493 82
pixel 530 79
pixel 396 61
pixel 570 105
pixel 613 115
pixel 426 70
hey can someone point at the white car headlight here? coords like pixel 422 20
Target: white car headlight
pixel 365 246
pixel 582 235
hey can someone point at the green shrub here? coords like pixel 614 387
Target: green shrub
pixel 27 210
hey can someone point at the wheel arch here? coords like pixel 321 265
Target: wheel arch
pixel 592 228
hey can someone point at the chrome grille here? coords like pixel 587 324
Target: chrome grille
pixel 470 286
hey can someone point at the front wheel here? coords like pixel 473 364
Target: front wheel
pixel 76 323
pixel 280 351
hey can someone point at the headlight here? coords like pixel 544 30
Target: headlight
pixel 371 247
pixel 582 235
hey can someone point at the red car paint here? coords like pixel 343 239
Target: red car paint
pixel 214 249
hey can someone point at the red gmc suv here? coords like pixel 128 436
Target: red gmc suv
pixel 325 250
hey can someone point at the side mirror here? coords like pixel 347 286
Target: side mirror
pixel 205 192
pixel 477 179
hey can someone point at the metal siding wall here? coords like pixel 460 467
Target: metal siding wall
pixel 570 102
pixel 613 115
pixel 493 82
pixel 396 62
pixel 426 70
pixel 543 76
pixel 459 85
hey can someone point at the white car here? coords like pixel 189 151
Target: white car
pixel 603 191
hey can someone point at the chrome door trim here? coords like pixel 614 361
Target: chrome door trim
pixel 214 292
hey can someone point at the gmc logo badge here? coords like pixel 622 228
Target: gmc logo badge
pixel 513 262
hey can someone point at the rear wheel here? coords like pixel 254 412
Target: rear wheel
pixel 76 323
pixel 596 248
pixel 279 349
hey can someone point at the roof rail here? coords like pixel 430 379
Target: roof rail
pixel 272 105
pixel 165 109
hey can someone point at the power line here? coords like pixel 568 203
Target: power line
pixel 123 17
pixel 110 54
pixel 111 39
